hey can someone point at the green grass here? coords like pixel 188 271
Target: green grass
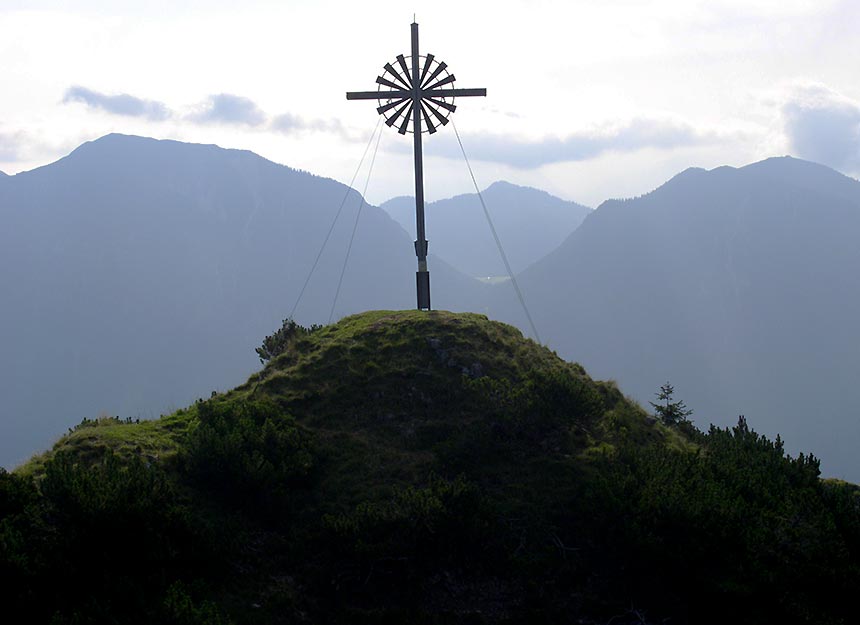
pixel 156 440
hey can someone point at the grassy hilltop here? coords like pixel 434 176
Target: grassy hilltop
pixel 407 467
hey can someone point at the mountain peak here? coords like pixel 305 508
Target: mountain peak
pixel 691 173
pixel 802 175
pixel 531 222
pixel 505 185
pixel 779 170
pixel 790 166
pixel 508 188
pixel 122 154
pixel 116 142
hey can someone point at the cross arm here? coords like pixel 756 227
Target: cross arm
pixel 448 93
pixel 403 93
pixel 378 95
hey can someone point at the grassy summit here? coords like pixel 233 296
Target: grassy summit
pixel 406 381
pixel 422 467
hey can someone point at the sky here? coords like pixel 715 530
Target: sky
pixel 588 100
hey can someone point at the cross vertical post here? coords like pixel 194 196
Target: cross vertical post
pixel 421 93
pixel 422 276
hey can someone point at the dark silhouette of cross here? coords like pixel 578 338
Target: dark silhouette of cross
pixel 414 95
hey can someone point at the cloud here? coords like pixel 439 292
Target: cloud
pixel 9 147
pixel 823 126
pixel 221 108
pixel 525 154
pixel 32 147
pixel 289 124
pixel 122 104
pixel 225 108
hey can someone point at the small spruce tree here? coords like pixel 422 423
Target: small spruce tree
pixel 670 412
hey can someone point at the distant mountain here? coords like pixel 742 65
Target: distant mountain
pixel 741 286
pixel 529 222
pixel 138 275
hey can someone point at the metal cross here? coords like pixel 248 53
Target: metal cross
pixel 414 95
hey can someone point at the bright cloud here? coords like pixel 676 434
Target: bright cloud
pixel 290 124
pixel 9 147
pixel 225 108
pixel 637 134
pixel 824 126
pixel 121 104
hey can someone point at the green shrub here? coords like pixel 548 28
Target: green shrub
pixel 277 343
pixel 736 531
pixel 419 529
pixel 181 609
pixel 249 453
pixel 111 535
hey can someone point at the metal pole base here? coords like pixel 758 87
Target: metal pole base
pixel 422 279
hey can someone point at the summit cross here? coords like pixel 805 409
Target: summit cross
pixel 418 96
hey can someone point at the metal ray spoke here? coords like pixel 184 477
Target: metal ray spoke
pixel 430 127
pixel 387 83
pixel 439 69
pixel 427 63
pixel 406 72
pixel 390 68
pixel 406 120
pixel 391 120
pixel 441 118
pixel 387 107
pixel 444 105
pixel 445 81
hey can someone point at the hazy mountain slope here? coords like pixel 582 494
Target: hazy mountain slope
pixel 138 274
pixel 741 286
pixel 530 224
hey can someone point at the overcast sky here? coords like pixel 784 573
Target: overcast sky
pixel 588 100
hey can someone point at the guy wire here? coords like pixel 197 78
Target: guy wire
pixel 355 225
pixel 349 189
pixel 496 237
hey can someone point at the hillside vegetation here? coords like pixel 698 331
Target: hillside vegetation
pixel 406 467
